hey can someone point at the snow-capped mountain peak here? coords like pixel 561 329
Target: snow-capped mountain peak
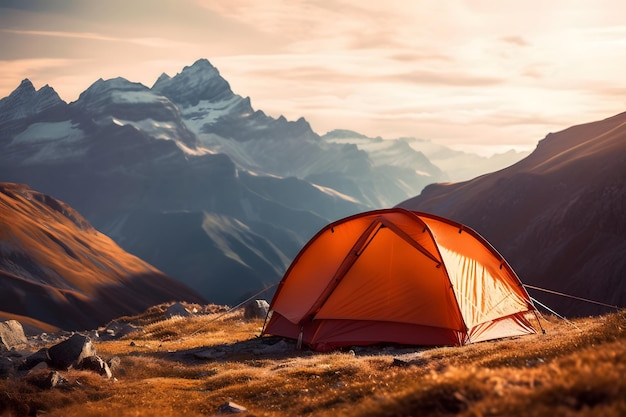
pixel 25 101
pixel 103 88
pixel 195 83
pixel 121 102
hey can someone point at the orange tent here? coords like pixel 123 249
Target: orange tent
pixel 398 276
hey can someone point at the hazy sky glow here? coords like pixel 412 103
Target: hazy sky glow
pixel 479 75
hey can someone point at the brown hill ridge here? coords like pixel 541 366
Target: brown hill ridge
pixel 558 216
pixel 56 271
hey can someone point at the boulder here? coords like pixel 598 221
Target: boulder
pixel 35 359
pixel 7 366
pixel 11 334
pixel 117 330
pixel 177 310
pixel 71 352
pixel 96 364
pixel 256 309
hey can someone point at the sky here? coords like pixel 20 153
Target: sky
pixel 481 76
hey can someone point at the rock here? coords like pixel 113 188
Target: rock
pixel 11 334
pixel 408 359
pixel 114 363
pixel 54 378
pixel 231 408
pixel 400 362
pixel 39 367
pixel 256 309
pixel 280 347
pixel 70 353
pixel 7 366
pixel 176 310
pixel 96 364
pixel 35 359
pixel 116 329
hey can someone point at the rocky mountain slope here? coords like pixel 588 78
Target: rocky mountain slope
pixel 558 216
pixel 57 271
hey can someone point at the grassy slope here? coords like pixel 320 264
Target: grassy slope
pixel 566 372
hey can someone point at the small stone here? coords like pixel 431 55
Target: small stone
pixel 54 378
pixel 116 330
pixel 114 363
pixel 231 408
pixel 280 347
pixel 96 364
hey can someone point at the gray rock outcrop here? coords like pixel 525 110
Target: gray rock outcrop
pixel 71 352
pixel 11 334
pixel 177 310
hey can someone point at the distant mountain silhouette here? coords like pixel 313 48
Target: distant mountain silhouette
pixel 57 271
pixel 558 216
pixel 435 162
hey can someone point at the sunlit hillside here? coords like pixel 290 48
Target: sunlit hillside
pixel 192 366
pixel 58 272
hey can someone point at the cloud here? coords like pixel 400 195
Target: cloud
pixel 412 56
pixel 515 40
pixel 18 69
pixel 446 78
pixel 149 42
pixel 58 34
pixel 38 70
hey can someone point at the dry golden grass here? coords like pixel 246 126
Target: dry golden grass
pixel 566 372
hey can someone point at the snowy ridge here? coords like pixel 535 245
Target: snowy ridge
pixel 25 101
pixel 50 142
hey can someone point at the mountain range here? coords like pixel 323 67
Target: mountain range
pixel 58 272
pixel 558 216
pixel 189 177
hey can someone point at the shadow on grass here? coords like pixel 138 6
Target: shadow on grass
pixel 278 348
pixel 266 347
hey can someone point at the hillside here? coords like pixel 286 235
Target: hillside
pixel 57 271
pixel 558 216
pixel 193 366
